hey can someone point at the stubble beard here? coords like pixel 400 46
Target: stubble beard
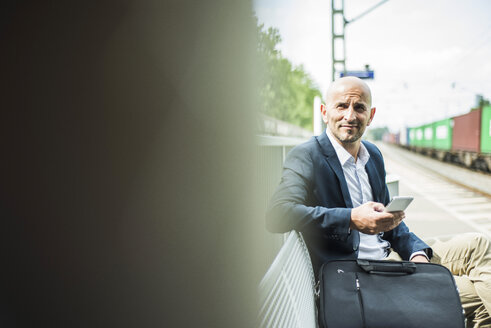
pixel 348 139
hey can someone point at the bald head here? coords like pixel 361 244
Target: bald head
pixel 345 83
pixel 348 111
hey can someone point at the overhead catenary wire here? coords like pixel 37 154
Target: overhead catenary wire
pixel 347 21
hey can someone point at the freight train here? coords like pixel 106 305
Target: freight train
pixel 463 139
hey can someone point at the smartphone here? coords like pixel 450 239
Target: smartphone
pixel 399 203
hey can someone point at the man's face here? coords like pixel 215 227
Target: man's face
pixel 348 112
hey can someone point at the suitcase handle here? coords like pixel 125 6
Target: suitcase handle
pixel 387 267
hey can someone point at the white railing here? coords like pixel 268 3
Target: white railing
pixel 271 152
pixel 271 126
pixel 287 290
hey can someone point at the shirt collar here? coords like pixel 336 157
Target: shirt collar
pixel 344 156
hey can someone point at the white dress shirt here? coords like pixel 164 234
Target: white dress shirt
pixel 372 247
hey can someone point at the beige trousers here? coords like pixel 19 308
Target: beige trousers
pixel 468 257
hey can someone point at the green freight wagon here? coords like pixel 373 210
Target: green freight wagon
pixel 442 134
pixel 412 137
pixel 427 141
pixel 418 134
pixel 486 130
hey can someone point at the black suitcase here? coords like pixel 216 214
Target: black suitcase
pixel 379 294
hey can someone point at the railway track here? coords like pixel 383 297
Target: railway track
pixel 464 194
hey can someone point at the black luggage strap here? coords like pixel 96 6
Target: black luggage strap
pixel 387 267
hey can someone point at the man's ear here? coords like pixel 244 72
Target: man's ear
pixel 324 113
pixel 372 114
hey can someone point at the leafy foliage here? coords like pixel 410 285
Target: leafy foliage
pixel 481 103
pixel 376 133
pixel 286 92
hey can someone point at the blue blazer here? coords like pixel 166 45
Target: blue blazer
pixel 313 198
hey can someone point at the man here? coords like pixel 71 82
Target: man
pixel 333 191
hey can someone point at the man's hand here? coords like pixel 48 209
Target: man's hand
pixel 420 258
pixel 371 219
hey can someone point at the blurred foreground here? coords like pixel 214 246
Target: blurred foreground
pixel 127 139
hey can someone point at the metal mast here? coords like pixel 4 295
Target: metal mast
pixel 337 18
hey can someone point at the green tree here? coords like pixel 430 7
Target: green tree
pixel 286 92
pixel 377 133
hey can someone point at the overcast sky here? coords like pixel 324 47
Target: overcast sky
pixel 430 57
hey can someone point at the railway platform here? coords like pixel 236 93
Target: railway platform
pixel 448 200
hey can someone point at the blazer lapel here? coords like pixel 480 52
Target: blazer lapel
pixel 333 160
pixel 375 180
